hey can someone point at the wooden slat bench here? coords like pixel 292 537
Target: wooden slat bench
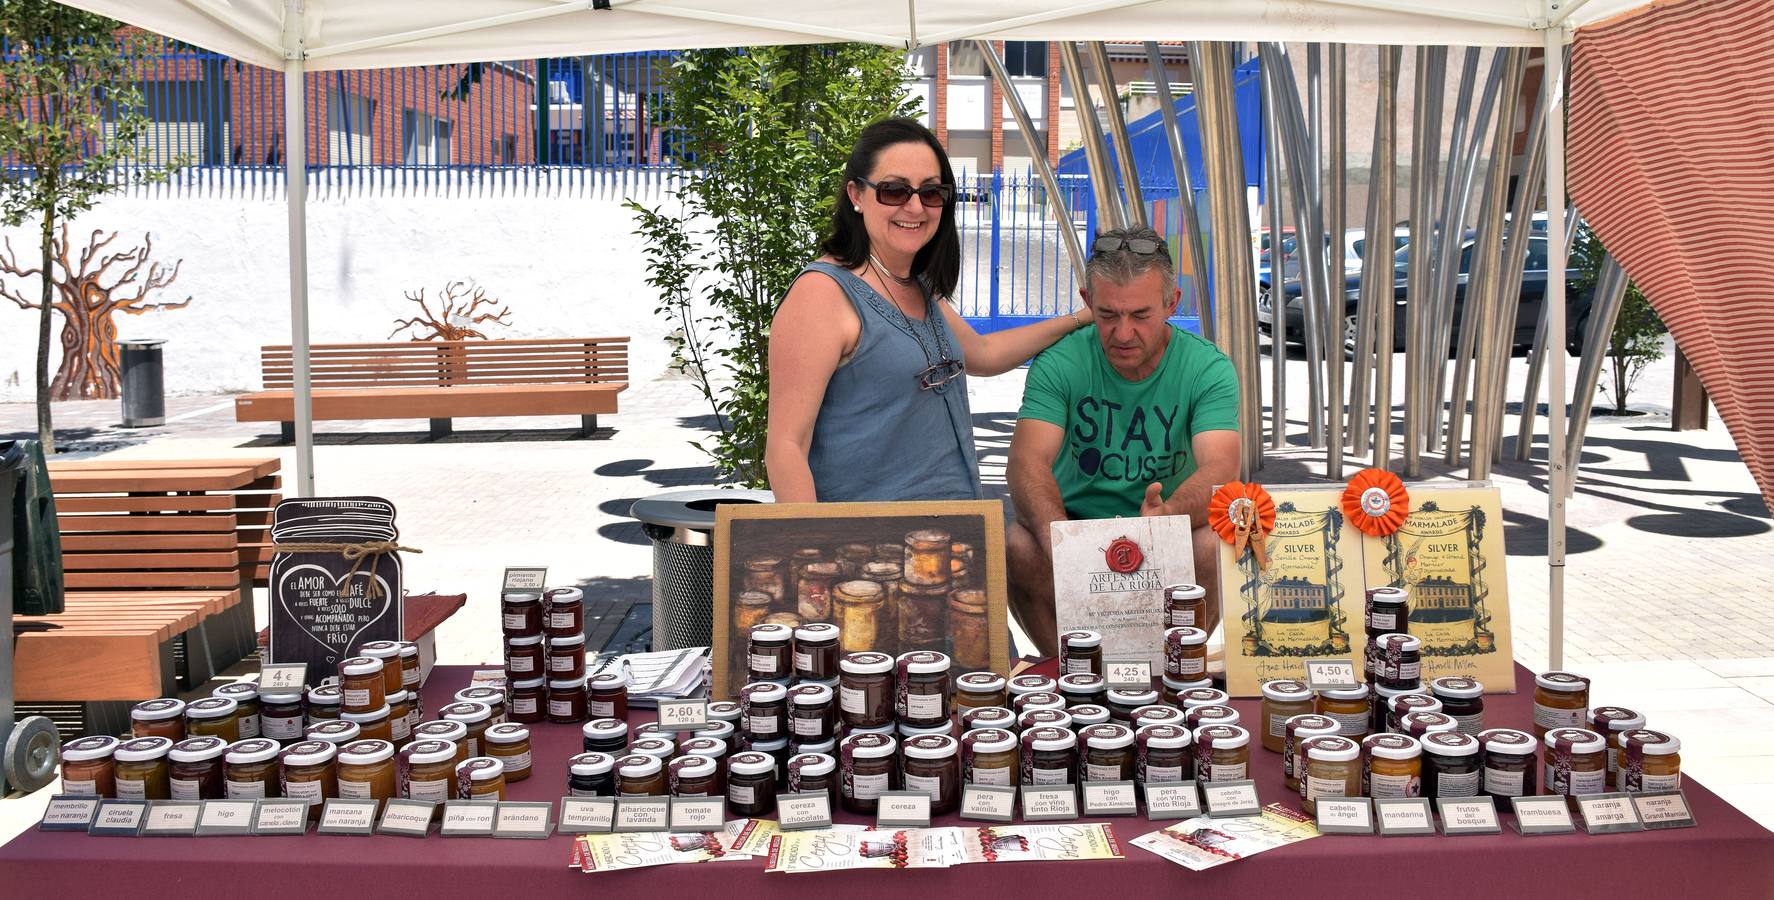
pixel 444 380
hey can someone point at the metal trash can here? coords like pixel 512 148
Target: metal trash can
pixel 681 526
pixel 144 384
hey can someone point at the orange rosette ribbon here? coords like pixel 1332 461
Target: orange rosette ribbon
pixel 1376 502
pixel 1243 515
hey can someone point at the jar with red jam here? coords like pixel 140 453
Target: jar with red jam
pixel 566 657
pixel 565 614
pixel 164 717
pixel 865 689
pixel 816 652
pixel 525 657
pixel 766 710
pixel 770 653
pixel 810 712
pixel 521 613
pixel 607 696
pixel 922 698
pixel 567 701
pixel 87 767
pixel 866 766
pixel 933 766
pixel 529 701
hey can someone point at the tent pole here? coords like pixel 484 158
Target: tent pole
pixel 295 185
pixel 1062 214
pixel 1173 133
pixel 1336 214
pixel 1553 85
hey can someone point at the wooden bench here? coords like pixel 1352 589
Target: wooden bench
pixel 444 380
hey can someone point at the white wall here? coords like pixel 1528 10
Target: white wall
pixel 557 248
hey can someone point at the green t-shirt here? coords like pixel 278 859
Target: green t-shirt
pixel 1123 435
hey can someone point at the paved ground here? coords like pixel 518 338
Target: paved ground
pixel 1670 544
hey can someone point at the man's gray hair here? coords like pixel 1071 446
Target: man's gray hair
pixel 1122 265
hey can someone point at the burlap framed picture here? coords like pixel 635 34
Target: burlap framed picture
pixel 894 577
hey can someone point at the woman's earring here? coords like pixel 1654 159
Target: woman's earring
pixel 857 208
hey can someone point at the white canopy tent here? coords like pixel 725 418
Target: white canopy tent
pixel 296 35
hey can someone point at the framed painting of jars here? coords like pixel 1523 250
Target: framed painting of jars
pixel 892 578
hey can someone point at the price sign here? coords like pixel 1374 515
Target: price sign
pixel 1542 815
pixel 988 803
pixel 1226 799
pixel 525 578
pixel 1345 815
pixel 1664 810
pixel 66 813
pixel 903 809
pixel 1050 802
pixel 283 676
pixel 683 715
pixel 1128 674
pixel 1172 800
pixel 1110 798
pixel 1400 816
pixel 587 815
pixel 806 811
pixel 1468 815
pixel 1608 813
pixel 1330 674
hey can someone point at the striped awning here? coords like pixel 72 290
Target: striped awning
pixel 1672 162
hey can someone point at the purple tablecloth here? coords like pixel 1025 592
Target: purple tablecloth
pixel 1727 856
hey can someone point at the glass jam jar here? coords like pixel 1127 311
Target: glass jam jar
pixel 377 725
pixel 1210 715
pixel 429 771
pixel 810 712
pixel 1333 769
pixel 1043 716
pixel 709 748
pixel 1400 657
pixel 1185 653
pixel 769 653
pixel 751 784
pixel 480 777
pixel 1032 684
pixel 862 610
pixel 1185 606
pixel 164 717
pixel 87 767
pixel 1462 699
pixel 1049 756
pixel 1296 731
pixel 1386 611
pixel 1394 766
pixel 566 657
pixel 816 652
pixel 1382 706
pixel 1153 714
pixel 1575 762
pixel 1422 723
pixel 280 715
pixel 1451 765
pixel 1561 700
pixel 245 695
pixel 250 770
pixel 813 773
pixel 520 613
pixel 1038 700
pixel 324 702
pixel 215 717
pixel 364 686
pixel 1282 700
pixel 1207 696
pixel 922 698
pixel 976 717
pixel 366 771
pixel 1161 754
pixel 476 717
pixel 565 615
pixel 655 744
pixel 1509 764
pixel 411 672
pixel 493 697
pixel 310 772
pixel 988 756
pixel 509 743
pixel 1222 753
pixel 335 732
pixel 766 710
pixel 691 776
pixel 1122 703
pixel 932 766
pixel 977 690
pixel 1649 761
pixel 969 633
pixel 568 703
pixel 866 768
pixel 591 775
pixel 1081 652
pixel 528 701
pixel 1083 687
pixel 1404 704
pixel 1170 690
pixel 401 717
pixel 453 733
pixel 927 557
pixel 1349 707
pixel 524 657
pixel 866 689
pixel 1609 722
pixel 608 697
pixel 1108 753
pixel 605 736
pixel 389 654
pixel 195 769
pixel 1086 714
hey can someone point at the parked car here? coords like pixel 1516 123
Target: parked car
pixel 1354 245
pixel 1530 298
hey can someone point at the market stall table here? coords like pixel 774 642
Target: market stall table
pixel 1727 856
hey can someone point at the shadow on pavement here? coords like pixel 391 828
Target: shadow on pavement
pixel 1525 535
pixel 488 436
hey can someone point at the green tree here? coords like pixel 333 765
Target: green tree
pixel 762 134
pixel 1637 338
pixel 70 115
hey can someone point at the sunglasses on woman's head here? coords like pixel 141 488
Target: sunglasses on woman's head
pixel 898 193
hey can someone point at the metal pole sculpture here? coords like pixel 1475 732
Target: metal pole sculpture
pixel 1277 289
pixel 1604 308
pixel 1431 72
pixel 1062 214
pixel 1193 238
pixel 1130 176
pixel 1108 199
pixel 1537 355
pixel 1495 288
pixel 1455 189
pixel 1336 213
pixel 1309 238
pixel 1373 329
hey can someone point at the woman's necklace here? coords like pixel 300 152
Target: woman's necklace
pixel 908 281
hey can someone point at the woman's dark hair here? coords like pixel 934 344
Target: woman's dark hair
pixel 939 262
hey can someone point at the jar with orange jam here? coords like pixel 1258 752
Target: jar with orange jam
pixel 1575 762
pixel 455 733
pixel 388 652
pixel 87 767
pixel 1610 722
pixel 250 770
pixel 477 717
pixel 1349 707
pixel 366 770
pixel 158 718
pixel 480 778
pixel 1561 700
pixel 510 745
pixel 311 773
pixel 141 771
pixel 1282 700
pixel 430 770
pixel 364 686
pixel 376 725
pixel 1649 761
pixel 1394 767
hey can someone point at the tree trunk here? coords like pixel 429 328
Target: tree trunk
pixel 89 369
pixel 1620 363
pixel 45 425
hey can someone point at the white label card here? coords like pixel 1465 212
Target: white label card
pixel 1330 674
pixel 988 803
pixel 1542 815
pixel 171 818
pixel 525 578
pixel 1231 798
pixel 68 813
pixel 1399 816
pixel 1345 815
pixel 1172 800
pixel 1468 815
pixel 408 818
pixel 587 815
pixel 282 675
pixel 903 809
pixel 119 818
pixel 467 818
pixel 348 817
pixel 698 813
pixel 797 812
pixel 683 715
pixel 1110 798
pixel 1664 810
pixel 226 817
pixel 1608 813
pixel 643 814
pixel 1050 802
pixel 523 820
pixel 281 817
pixel 1127 674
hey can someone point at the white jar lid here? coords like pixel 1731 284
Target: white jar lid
pixel 591 763
pixel 1090 714
pixel 1038 700
pixel 764 692
pixel 198 749
pixel 869 745
pixel 1164 736
pixel 1133 698
pixel 1458 687
pixel 212 708
pixel 1332 748
pixel 989 740
pixel 653 746
pixel 491 696
pixel 408 648
pixel 1561 681
pixel 1358 692
pixel 525 640
pixel 1403 643
pixel 1286 690
pixel 987 717
pixel 1387 693
pixel 309 753
pixel 1616 718
pixel 425 753
pixel 1393 746
pixel 365 753
pixel 1203 697
pixel 1154 713
pixel 598 729
pixel 1177 686
pixel 381 649
pixel 1082 639
pixel 1313 725
pixel 692 767
pixel 809 764
pixel 335 731
pixel 1582 740
pixel 441 730
pixel 86 749
pixel 1211 715
pixel 1387 595
pixel 1221 737
pixel 1048 738
pixel 482 768
pixel 371 716
pixel 1657 743
pixel 566 684
pixel 724 711
pixel 820 631
pixel 326 695
pixel 825 746
pixel 771 633
pixel 1184 592
pixel 810 694
pixel 564 596
pixel 866 662
pixel 750 762
pixel 912 731
pixel 1508 740
pixel 980 682
pixel 1410 703
pixel 395 698
pixel 238 691
pixel 1425 723
pixel 929 746
pixel 1081 683
pixel 1185 636
pixel 467 711
pixel 566 640
pixel 507 733
pixel 1030 684
pixel 1107 737
pixel 1046 715
pixel 520 597
pixel 360 665
pixel 713 748
pixel 157 710
pixel 924 662
pixel 1450 743
pixel 251 750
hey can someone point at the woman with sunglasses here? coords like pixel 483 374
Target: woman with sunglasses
pixel 868 360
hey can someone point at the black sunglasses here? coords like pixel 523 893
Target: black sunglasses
pixel 1110 243
pixel 898 193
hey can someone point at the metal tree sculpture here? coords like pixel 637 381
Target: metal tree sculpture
pixel 87 303
pixel 457 321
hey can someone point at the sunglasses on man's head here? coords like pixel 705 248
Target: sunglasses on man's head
pixel 1111 243
pixel 898 193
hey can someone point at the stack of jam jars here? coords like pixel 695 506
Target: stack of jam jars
pixel 545 655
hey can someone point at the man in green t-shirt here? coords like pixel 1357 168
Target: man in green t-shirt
pixel 1131 416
